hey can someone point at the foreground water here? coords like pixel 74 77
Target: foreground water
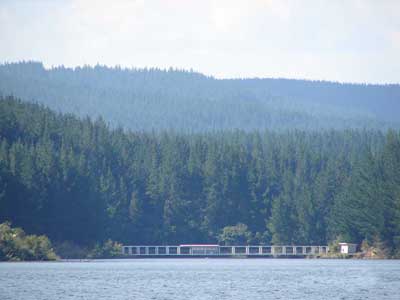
pixel 201 279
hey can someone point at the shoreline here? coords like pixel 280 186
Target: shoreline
pixel 82 260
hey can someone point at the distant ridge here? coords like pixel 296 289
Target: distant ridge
pixel 187 101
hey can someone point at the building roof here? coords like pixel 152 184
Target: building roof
pixel 199 245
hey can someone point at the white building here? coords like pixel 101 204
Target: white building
pixel 347 248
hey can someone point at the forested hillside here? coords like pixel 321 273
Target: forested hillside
pixel 81 181
pixel 153 99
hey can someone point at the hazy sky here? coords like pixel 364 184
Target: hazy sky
pixel 356 41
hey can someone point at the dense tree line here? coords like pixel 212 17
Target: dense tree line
pixel 79 180
pixel 146 99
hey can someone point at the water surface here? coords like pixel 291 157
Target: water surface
pixel 249 279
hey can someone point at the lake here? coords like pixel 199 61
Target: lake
pixel 201 279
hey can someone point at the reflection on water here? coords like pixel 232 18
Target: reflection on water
pixel 194 279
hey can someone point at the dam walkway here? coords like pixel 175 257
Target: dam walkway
pixel 209 250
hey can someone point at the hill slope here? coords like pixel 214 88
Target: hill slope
pixel 78 180
pixel 186 101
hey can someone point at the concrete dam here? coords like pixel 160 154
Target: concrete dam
pixel 213 250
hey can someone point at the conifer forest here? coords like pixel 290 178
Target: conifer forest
pixel 163 157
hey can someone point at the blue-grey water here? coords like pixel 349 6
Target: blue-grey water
pixel 194 279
